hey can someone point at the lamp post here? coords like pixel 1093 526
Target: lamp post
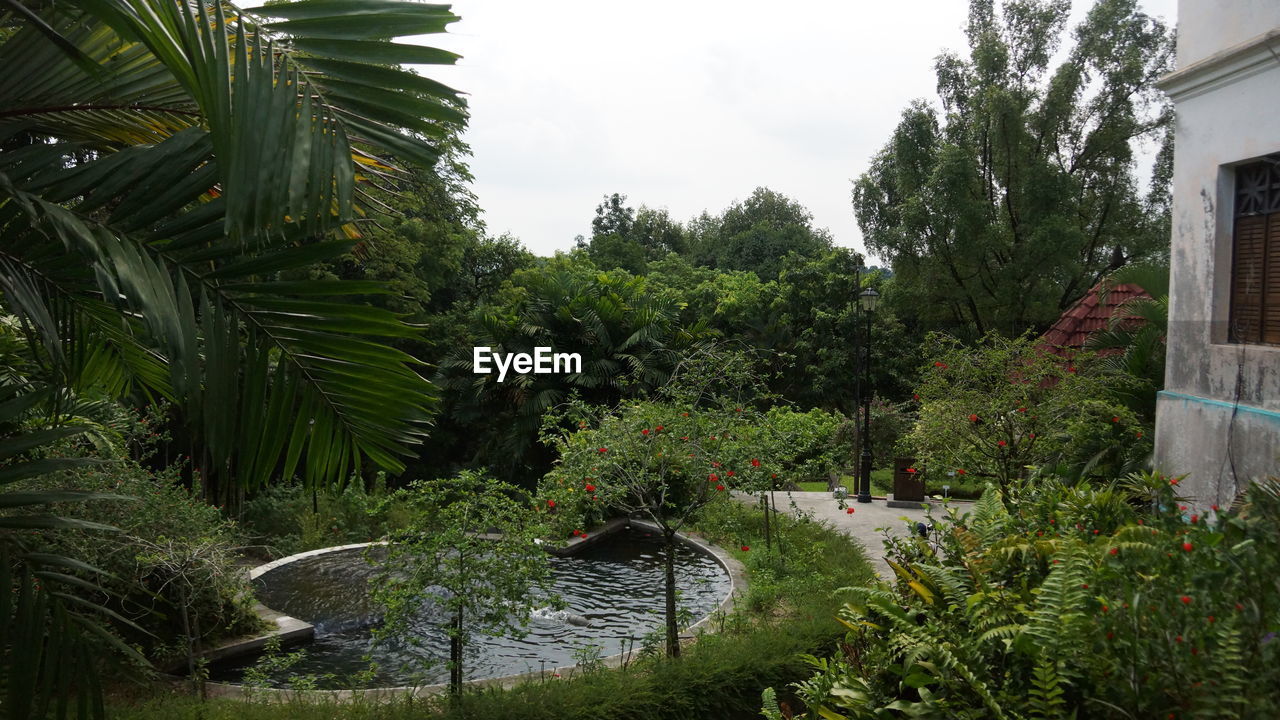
pixel 867 299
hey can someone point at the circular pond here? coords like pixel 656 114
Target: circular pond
pixel 611 598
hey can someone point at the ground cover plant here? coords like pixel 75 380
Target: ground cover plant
pixel 1054 600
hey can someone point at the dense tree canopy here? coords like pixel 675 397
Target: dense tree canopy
pixel 1007 201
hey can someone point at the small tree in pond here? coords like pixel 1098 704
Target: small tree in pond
pixel 645 459
pixel 469 556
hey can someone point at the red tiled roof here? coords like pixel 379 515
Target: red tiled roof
pixel 1087 315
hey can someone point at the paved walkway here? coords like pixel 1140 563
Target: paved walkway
pixel 863 524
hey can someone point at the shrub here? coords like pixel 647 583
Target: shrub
pixel 288 519
pixel 996 409
pixel 1059 600
pixel 173 563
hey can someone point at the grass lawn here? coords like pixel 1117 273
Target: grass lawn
pixel 881 482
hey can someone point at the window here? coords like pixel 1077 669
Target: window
pixel 1255 265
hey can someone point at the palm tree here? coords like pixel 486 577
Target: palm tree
pixel 628 339
pixel 164 162
pixel 164 165
pixel 1136 335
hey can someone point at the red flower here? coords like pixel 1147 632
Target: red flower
pixel 1039 533
pixel 1174 481
pixel 1115 418
pixel 1052 521
pixel 1104 608
pixel 915 396
pixel 1183 508
pixel 1002 443
pixel 1177 638
pixel 1195 519
pixel 1071 369
pixel 684 414
pixel 1115 551
pixel 713 477
pixel 593 498
pixel 1085 586
pixel 603 450
pixel 737 409
pixel 583 536
pixel 551 503
pixel 1187 546
pixel 774 476
pixel 658 429
pixel 755 462
pixel 576 533
pixel 729 474
pixel 591 488
pixel 960 471
pixel 685 437
pixel 848 511
pixel 720 487
pixel 1022 409
pixel 715 464
pixel 1095 532
pixel 1139 521
pixel 1239 607
pixel 911 470
pixel 973 418
pixel 1031 435
pixel 1211 618
pixel 1186 599
pixel 644 431
pixel 937 363
pixel 1214 508
pixel 745 548
pixel 1139 433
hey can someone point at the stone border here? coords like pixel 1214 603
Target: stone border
pixel 737 586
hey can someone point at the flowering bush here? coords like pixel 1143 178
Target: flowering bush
pixel 997 409
pixel 1120 601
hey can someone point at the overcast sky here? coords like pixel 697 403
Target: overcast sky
pixel 687 105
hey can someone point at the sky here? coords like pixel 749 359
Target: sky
pixel 687 105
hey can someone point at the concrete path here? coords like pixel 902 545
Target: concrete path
pixel 863 524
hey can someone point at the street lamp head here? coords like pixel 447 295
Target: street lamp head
pixel 869 298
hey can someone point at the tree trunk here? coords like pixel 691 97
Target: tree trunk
pixel 768 536
pixel 673 631
pixel 455 656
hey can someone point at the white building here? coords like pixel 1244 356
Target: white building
pixel 1218 419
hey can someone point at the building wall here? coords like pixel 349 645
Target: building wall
pixel 1206 27
pixel 1218 420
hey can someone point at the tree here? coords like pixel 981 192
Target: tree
pixel 145 228
pixel 629 341
pixel 470 560
pixel 1003 206
pixel 651 459
pixel 161 165
pixel 757 233
pixel 622 237
pixel 663 459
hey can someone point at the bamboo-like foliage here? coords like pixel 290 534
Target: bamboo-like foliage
pixel 167 164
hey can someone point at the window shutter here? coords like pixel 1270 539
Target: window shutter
pixel 1247 276
pixel 1271 282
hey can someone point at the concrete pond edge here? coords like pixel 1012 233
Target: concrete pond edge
pixel 292 631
